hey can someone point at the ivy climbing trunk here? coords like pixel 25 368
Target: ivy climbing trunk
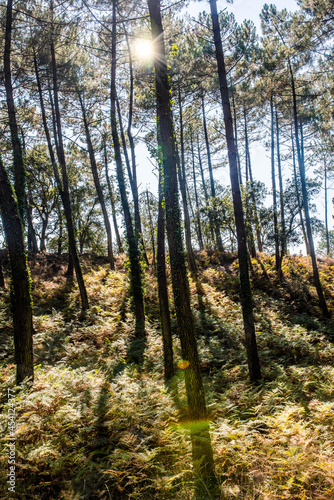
pixel 20 280
pixel 245 289
pixel 200 437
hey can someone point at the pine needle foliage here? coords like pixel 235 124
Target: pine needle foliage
pixel 95 426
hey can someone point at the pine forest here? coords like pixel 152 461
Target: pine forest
pixel 166 250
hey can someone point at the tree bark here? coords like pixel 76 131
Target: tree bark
pixel 201 444
pixel 20 282
pixel 163 289
pixel 245 289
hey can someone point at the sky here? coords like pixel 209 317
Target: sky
pixel 260 157
pixel 242 9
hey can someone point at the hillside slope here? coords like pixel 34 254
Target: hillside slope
pixel 94 426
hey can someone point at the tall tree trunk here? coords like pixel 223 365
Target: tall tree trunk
pixel 213 221
pixel 301 165
pixel 281 195
pixel 236 134
pixel 97 183
pixel 2 279
pixel 249 228
pixel 19 168
pixel 201 443
pixel 256 216
pixel 13 213
pixel 64 193
pixel 134 186
pixel 112 199
pixel 45 222
pixel 135 270
pixel 133 183
pixel 32 239
pixel 245 289
pixel 206 196
pixel 162 288
pixel 273 180
pixel 150 221
pixel 20 282
pixel 183 189
pixel 199 228
pixel 297 193
pixel 326 209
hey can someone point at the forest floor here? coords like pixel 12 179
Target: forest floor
pixel 96 427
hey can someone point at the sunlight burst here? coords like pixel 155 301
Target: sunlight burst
pixel 144 49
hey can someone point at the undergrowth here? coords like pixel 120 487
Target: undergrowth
pixel 95 426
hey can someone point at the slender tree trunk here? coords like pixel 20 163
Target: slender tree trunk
pixel 32 239
pixel 20 280
pixel 256 216
pixel 273 180
pixel 60 235
pixel 297 193
pixel 199 228
pixel 213 222
pixel 236 134
pixel 65 188
pixel 45 222
pixel 134 188
pixel 183 189
pixel 151 231
pixel 206 196
pixel 133 184
pixel 301 164
pixel 326 209
pixel 97 183
pixel 201 444
pixel 2 279
pixel 249 228
pixel 19 168
pixel 112 200
pixel 163 289
pixel 135 270
pixel 281 195
pixel 245 289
